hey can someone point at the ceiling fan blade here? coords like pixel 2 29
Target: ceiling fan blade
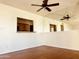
pixel 39 9
pixel 36 5
pixel 55 4
pixel 48 9
pixel 45 2
pixel 61 19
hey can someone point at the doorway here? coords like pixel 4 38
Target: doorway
pixel 62 27
pixel 53 28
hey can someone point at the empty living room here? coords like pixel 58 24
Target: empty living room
pixel 39 29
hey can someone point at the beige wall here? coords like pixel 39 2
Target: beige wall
pixel 66 39
pixel 10 40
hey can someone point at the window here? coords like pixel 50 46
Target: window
pixel 62 27
pixel 53 28
pixel 24 25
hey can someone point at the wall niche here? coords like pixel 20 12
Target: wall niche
pixel 24 25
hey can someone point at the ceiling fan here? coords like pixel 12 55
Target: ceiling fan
pixel 67 17
pixel 46 5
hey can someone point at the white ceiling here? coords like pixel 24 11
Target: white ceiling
pixel 66 6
